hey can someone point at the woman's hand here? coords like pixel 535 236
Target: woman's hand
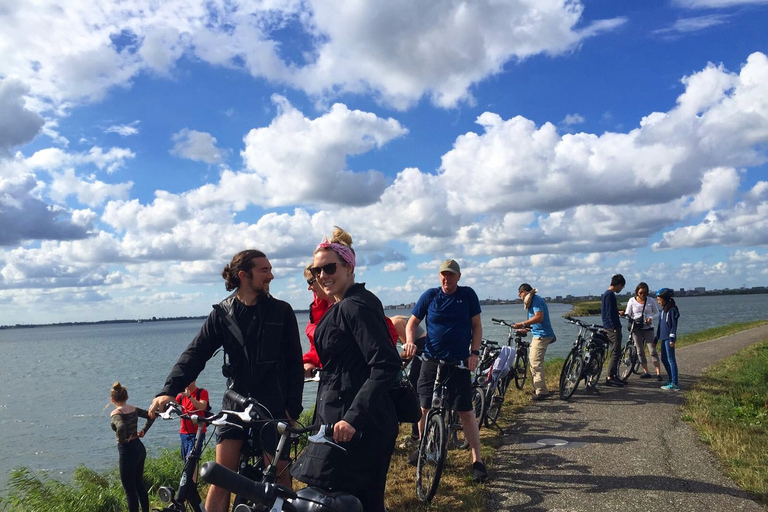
pixel 672 344
pixel 343 432
pixel 309 370
pixel 409 350
pixel 141 433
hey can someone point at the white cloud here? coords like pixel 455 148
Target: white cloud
pixel 689 25
pixel 395 267
pixel 124 130
pixel 573 119
pixel 18 125
pixel 399 50
pixel 51 159
pixel 196 146
pixel 89 191
pixel 301 160
pixel 403 50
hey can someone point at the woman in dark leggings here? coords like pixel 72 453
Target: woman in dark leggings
pixel 124 420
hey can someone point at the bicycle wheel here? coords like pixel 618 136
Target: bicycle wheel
pixel 456 438
pixel 571 375
pixel 627 362
pixel 431 457
pixel 521 368
pixel 595 369
pixel 495 401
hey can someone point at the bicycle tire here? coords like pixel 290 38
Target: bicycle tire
pixel 456 438
pixel 627 362
pixel 521 368
pixel 596 365
pixel 431 460
pixel 570 375
pixel 494 402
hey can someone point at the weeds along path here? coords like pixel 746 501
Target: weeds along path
pixel 625 449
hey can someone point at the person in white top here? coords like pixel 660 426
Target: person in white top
pixel 642 313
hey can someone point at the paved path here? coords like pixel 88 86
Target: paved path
pixel 628 449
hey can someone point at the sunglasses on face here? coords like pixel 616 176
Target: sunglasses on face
pixel 312 281
pixel 329 270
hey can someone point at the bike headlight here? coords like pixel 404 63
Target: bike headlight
pixel 165 494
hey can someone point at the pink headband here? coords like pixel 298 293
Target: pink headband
pixel 340 249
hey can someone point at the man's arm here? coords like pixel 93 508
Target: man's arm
pixel 477 339
pixel 537 318
pixel 409 349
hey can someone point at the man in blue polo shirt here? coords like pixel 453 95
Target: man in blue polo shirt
pixel 454 333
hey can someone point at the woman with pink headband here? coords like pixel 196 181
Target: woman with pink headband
pixel 360 365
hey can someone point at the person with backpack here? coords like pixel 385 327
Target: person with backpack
pixel 193 400
pixel 666 332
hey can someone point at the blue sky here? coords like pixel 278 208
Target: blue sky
pixel 544 141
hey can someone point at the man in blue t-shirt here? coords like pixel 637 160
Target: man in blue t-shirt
pixel 609 309
pixel 541 330
pixel 454 333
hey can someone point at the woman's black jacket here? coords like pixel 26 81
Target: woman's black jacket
pixel 266 366
pixel 360 365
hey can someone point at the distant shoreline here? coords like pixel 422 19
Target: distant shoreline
pixel 582 306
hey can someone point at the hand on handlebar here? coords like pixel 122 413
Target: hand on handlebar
pixel 159 404
pixel 343 432
pixel 409 350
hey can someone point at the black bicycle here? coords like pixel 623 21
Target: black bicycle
pixel 629 362
pixel 187 498
pixel 585 360
pixel 434 439
pixel 268 496
pixel 522 361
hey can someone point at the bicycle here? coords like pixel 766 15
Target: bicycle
pixel 522 360
pixel 266 495
pixel 629 362
pixel 187 497
pixel 585 360
pixel 518 370
pixel 434 439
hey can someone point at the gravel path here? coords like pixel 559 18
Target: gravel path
pixel 624 450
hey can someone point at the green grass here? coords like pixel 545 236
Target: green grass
pixel 729 408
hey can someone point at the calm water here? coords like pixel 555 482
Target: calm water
pixel 55 381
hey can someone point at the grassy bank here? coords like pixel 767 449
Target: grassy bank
pixel 729 409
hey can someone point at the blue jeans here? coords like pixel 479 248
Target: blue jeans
pixel 187 441
pixel 669 361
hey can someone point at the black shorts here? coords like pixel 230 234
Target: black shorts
pixel 265 437
pixel 459 384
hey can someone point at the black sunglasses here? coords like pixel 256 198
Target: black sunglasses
pixel 312 281
pixel 329 270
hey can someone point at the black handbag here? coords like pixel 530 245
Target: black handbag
pixel 636 325
pixel 407 407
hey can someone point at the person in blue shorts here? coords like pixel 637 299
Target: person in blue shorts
pixel 454 333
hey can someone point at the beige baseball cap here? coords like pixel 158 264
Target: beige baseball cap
pixel 450 266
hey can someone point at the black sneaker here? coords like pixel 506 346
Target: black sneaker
pixel 479 473
pixel 658 378
pixel 413 458
pixel 591 390
pixel 616 383
pixel 646 375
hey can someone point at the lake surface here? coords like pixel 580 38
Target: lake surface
pixel 55 381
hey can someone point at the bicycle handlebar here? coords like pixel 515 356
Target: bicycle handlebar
pixel 590 327
pixel 458 364
pixel 258 492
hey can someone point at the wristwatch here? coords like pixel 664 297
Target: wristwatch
pixel 475 352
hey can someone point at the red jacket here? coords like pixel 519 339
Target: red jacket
pixel 316 311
